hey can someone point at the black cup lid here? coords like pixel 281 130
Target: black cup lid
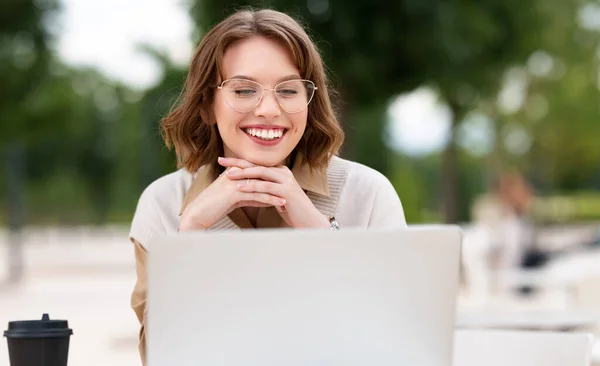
pixel 44 328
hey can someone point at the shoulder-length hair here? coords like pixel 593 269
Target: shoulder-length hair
pixel 190 127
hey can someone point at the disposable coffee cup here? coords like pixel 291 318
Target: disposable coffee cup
pixel 42 342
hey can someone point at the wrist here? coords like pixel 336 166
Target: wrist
pixel 323 222
pixel 189 224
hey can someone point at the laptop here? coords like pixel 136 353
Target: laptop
pixel 352 297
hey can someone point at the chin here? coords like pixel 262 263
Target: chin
pixel 264 159
pixel 268 162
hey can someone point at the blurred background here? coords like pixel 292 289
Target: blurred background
pixel 482 113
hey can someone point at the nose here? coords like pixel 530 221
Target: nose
pixel 268 107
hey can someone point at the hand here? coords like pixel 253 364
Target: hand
pixel 219 199
pixel 298 210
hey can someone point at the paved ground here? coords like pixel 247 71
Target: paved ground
pixel 84 277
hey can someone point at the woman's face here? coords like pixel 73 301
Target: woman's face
pixel 266 135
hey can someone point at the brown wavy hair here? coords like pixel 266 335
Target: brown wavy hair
pixel 190 126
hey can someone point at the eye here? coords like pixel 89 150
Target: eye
pixel 244 92
pixel 242 88
pixel 287 92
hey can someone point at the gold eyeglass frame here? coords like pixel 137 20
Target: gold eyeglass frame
pixel 315 88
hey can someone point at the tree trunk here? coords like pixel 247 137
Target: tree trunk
pixel 344 104
pixel 370 146
pixel 496 158
pixel 15 198
pixel 450 169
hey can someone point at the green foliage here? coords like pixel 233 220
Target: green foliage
pixel 581 207
pixel 24 62
pixel 156 103
pixel 92 144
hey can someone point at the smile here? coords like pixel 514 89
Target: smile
pixel 265 134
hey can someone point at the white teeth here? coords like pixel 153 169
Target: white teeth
pixel 265 134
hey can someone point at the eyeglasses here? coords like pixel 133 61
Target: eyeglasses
pixel 244 96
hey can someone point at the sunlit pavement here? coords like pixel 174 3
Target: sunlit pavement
pixel 85 278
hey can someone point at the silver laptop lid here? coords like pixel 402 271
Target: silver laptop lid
pixel 295 297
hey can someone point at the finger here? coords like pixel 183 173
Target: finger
pixel 265 198
pixel 261 186
pixel 252 204
pixel 230 162
pixel 230 168
pixel 258 172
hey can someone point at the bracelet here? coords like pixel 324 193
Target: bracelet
pixel 334 224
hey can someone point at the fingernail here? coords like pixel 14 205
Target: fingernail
pixel 241 185
pixel 220 158
pixel 282 202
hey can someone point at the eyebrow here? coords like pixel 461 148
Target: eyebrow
pixel 285 78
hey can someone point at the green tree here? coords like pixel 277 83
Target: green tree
pixel 155 104
pixel 380 49
pixel 25 60
pixel 558 115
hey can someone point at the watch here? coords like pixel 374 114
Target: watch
pixel 334 224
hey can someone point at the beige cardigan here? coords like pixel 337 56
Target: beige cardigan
pixel 358 197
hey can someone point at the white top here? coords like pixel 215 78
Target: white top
pixel 359 197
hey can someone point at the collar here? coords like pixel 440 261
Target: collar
pixel 310 180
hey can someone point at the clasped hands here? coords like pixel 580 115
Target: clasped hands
pixel 244 184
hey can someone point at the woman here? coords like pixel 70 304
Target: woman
pixel 256 140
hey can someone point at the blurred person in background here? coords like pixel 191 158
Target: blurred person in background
pixel 256 139
pixel 504 213
pixel 516 195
